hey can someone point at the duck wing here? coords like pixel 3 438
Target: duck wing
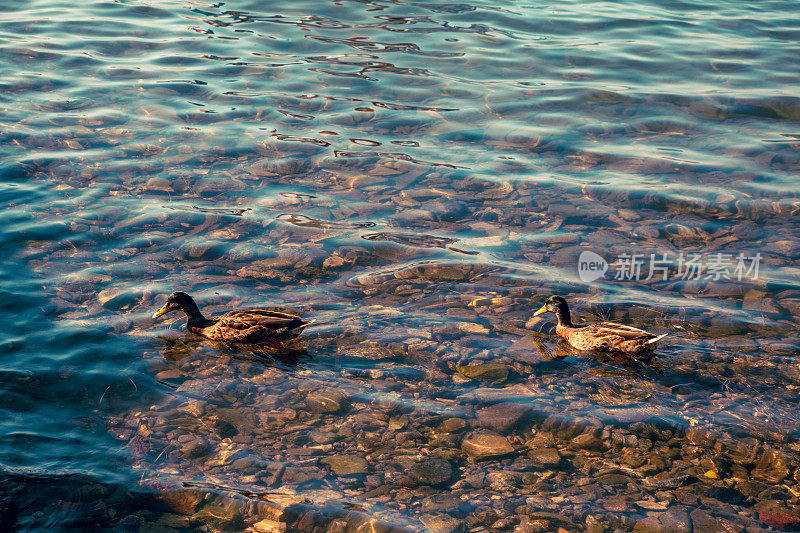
pixel 621 330
pixel 245 318
pixel 609 336
pixel 254 325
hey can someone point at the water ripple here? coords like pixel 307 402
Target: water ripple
pixel 419 177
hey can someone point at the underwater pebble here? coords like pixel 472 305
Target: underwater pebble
pixel 327 401
pixel 346 465
pixel 485 444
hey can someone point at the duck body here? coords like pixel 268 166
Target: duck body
pixel 250 326
pixel 602 336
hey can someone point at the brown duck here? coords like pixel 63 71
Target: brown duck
pixel 603 336
pixel 250 326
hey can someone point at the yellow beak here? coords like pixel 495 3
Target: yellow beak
pixel 161 311
pixel 543 309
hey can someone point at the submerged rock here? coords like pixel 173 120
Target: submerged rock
pixel 504 481
pixel 489 372
pixel 327 401
pixel 545 457
pixel 159 184
pixel 222 517
pixel 486 444
pixel 587 441
pixel 431 471
pixel 183 501
pixel 748 231
pixel 780 519
pixel 453 425
pixel 503 416
pixel 369 350
pixel 242 419
pixel 471 327
pixel 302 474
pixel 445 503
pixel 677 520
pixel 268 526
pixel 772 467
pixel 115 299
pixel 442 523
pixel 346 465
pixel 196 449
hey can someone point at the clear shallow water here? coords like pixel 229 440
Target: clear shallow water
pixel 389 168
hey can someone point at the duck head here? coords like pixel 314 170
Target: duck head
pixel 179 301
pixel 557 305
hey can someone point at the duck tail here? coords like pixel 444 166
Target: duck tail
pixel 656 339
pixel 304 325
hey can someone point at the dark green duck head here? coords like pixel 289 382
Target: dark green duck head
pixel 557 305
pixel 180 301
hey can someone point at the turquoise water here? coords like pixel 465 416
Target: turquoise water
pixel 390 168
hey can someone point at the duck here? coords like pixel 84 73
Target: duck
pixel 248 326
pixel 600 336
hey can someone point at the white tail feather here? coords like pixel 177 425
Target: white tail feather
pixel 656 339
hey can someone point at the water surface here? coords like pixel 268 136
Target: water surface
pixel 418 177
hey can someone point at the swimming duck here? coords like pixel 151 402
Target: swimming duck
pixel 604 336
pixel 246 325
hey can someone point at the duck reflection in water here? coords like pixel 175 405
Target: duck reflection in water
pixel 289 353
pixel 615 365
